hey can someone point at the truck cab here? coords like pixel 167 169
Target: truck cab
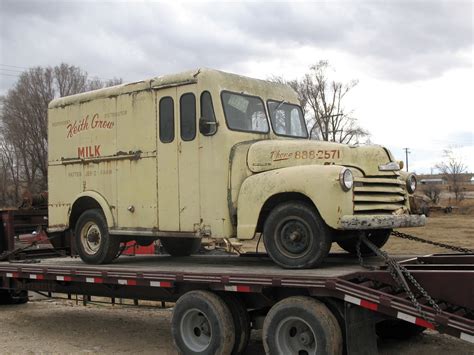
pixel 211 154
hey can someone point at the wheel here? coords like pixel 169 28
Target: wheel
pixel 181 246
pixel 93 242
pixel 378 237
pixel 295 236
pixel 202 324
pixel 241 320
pixel 13 297
pixel 301 325
pixel 397 329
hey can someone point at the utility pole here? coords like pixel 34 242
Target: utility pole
pixel 407 151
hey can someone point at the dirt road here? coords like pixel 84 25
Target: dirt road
pixel 62 327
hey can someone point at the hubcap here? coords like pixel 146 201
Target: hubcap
pixel 91 238
pixel 195 330
pixel 295 336
pixel 293 237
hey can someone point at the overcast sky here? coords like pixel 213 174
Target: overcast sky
pixel 413 59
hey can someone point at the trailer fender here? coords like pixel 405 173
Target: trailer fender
pixel 98 199
pixel 318 183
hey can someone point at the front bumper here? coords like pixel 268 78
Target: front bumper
pixel 364 222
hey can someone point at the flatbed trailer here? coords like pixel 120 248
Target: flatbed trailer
pixel 361 298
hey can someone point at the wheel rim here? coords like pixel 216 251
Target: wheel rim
pixel 293 237
pixel 295 336
pixel 91 238
pixel 195 330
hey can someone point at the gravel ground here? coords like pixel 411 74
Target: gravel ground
pixel 62 327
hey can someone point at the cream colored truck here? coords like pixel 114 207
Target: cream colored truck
pixel 208 153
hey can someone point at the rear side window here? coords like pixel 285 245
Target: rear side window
pixel 244 112
pixel 187 118
pixel 208 117
pixel 166 120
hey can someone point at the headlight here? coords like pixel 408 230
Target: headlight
pixel 411 183
pixel 346 179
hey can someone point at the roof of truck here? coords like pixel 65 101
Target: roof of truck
pixel 183 78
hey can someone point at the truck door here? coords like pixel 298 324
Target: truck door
pixel 178 159
pixel 188 157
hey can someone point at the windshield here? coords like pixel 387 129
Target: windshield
pixel 244 113
pixel 287 119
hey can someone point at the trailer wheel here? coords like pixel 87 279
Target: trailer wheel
pixel 397 329
pixel 241 319
pixel 295 236
pixel 378 237
pixel 93 241
pixel 202 324
pixel 13 297
pixel 301 325
pixel 181 246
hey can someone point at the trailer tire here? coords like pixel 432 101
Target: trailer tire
pixel 181 246
pixel 378 237
pixel 202 324
pixel 295 236
pixel 397 329
pixel 94 243
pixel 241 319
pixel 301 325
pixel 13 297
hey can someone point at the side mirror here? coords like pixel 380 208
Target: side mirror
pixel 207 126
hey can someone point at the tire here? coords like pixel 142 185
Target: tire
pixel 397 329
pixel 241 319
pixel 295 236
pixel 13 297
pixel 301 325
pixel 378 237
pixel 181 246
pixel 202 324
pixel 93 241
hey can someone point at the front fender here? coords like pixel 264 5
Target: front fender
pixel 320 183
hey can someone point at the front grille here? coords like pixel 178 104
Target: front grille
pixel 379 195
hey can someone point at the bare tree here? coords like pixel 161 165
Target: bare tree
pixel 322 101
pixel 24 129
pixel 453 168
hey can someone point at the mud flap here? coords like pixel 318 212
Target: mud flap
pixel 360 330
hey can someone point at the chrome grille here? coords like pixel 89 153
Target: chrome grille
pixel 378 195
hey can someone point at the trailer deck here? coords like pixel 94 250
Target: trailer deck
pixel 448 278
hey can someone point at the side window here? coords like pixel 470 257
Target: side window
pixel 166 120
pixel 187 118
pixel 244 112
pixel 207 122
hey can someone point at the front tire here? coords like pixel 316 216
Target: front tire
pixel 94 243
pixel 202 324
pixel 295 236
pixel 377 237
pixel 301 325
pixel 181 246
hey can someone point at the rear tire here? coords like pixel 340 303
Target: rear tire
pixel 301 325
pixel 202 324
pixel 13 297
pixel 397 329
pixel 378 237
pixel 94 243
pixel 295 236
pixel 241 319
pixel 181 246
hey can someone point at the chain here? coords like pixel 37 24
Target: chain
pixel 399 274
pixel 421 240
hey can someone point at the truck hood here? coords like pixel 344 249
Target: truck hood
pixel 274 154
